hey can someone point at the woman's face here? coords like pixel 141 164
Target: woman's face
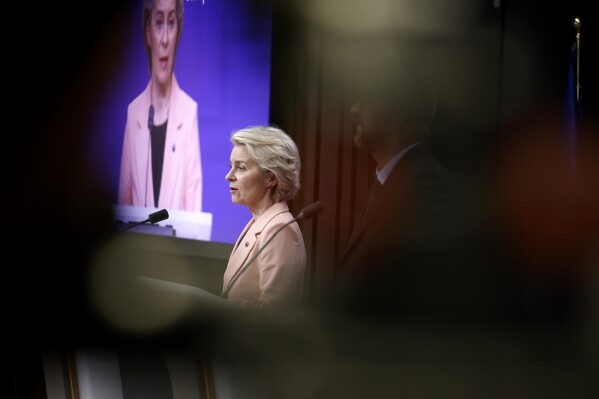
pixel 247 184
pixel 162 38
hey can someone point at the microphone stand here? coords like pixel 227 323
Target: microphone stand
pixel 134 224
pixel 152 218
pixel 577 25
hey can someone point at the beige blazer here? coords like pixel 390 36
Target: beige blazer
pixel 277 274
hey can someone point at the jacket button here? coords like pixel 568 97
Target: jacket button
pixel 247 243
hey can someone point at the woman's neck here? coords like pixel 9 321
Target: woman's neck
pixel 160 96
pixel 262 206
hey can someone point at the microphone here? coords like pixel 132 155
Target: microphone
pixel 310 211
pixel 155 217
pixel 151 117
pixel 150 126
pixel 306 213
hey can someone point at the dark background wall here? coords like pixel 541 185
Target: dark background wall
pixel 500 73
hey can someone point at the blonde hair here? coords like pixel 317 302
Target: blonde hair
pixel 274 151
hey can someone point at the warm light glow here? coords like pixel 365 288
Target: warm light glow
pixel 122 300
pixel 419 17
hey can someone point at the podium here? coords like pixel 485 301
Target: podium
pixel 182 224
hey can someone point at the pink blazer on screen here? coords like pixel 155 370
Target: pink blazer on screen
pixel 277 274
pixel 181 186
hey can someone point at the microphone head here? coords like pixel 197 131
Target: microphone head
pixel 158 216
pixel 151 117
pixel 311 210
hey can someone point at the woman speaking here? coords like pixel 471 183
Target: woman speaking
pixel 160 164
pixel 266 266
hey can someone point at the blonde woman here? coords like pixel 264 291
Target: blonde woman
pixel 264 175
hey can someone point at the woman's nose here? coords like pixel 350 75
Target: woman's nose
pixel 164 38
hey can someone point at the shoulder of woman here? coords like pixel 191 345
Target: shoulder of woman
pixel 278 221
pixel 137 104
pixel 184 100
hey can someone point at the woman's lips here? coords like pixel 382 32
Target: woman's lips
pixel 163 62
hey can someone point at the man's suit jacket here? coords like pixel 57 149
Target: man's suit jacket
pixel 398 250
pixel 276 275
pixel 181 186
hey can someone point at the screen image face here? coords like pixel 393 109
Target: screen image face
pixel 221 67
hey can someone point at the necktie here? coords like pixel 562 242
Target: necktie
pixel 374 189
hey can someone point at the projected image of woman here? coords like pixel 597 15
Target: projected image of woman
pixel 160 163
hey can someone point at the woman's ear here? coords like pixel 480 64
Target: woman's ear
pixel 272 180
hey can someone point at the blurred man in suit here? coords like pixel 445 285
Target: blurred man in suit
pixel 397 256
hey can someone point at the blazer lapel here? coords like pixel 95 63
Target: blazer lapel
pixel 142 153
pixel 243 247
pixel 172 148
pixel 247 240
pixel 390 184
pixel 366 216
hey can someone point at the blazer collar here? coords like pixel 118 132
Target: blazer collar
pixel 247 239
pixel 266 217
pixel 174 117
